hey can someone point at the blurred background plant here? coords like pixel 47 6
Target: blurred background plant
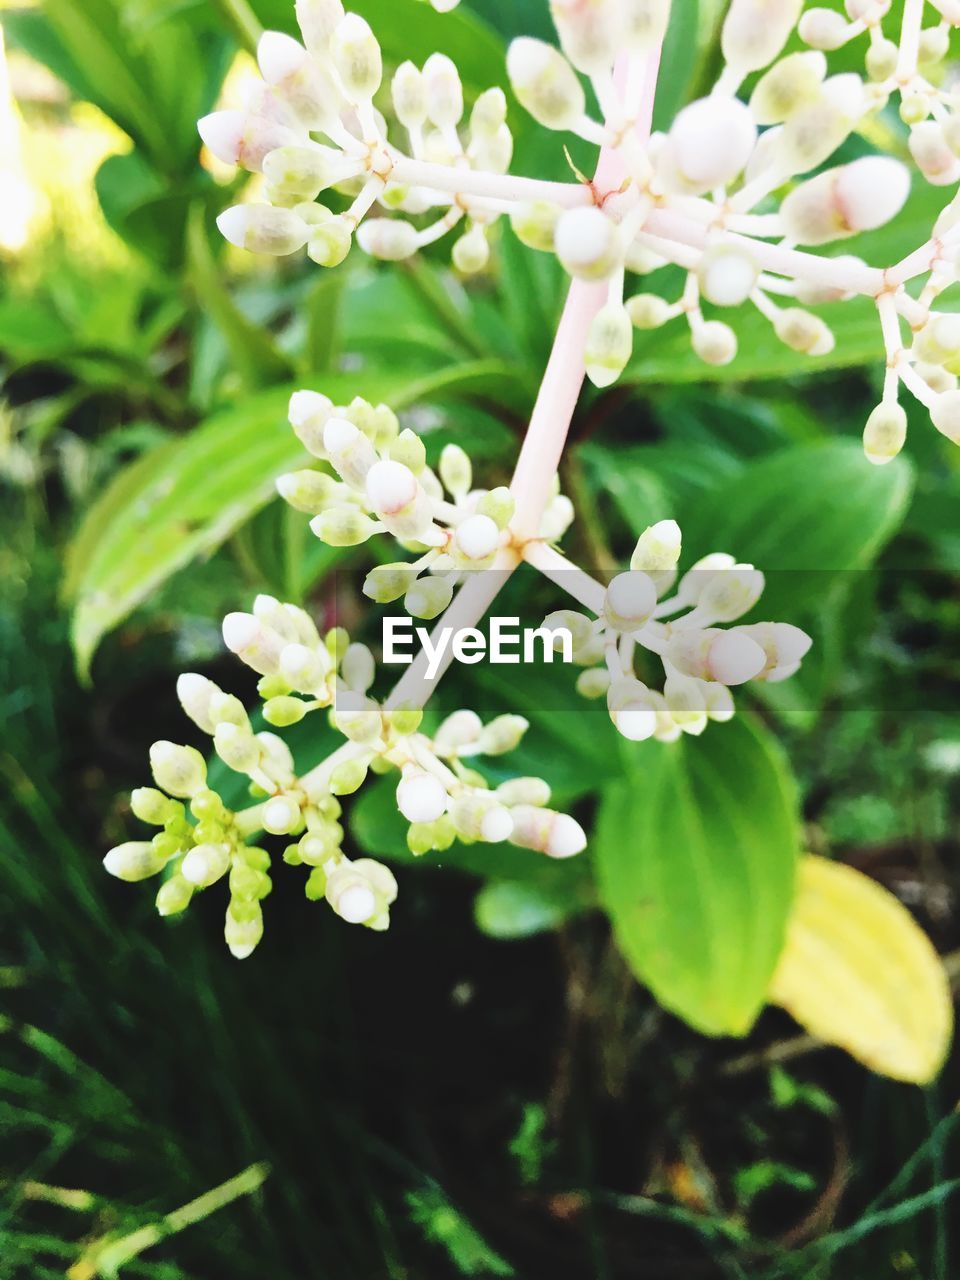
pixel 495 1095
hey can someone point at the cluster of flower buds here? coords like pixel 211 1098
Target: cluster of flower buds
pixel 382 484
pixel 201 841
pixel 648 609
pixel 311 129
pixel 721 193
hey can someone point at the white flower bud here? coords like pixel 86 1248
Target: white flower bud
pixel 180 771
pixel 545 831
pixel 694 583
pixel 237 747
pixel 471 253
pixel 243 936
pixel 261 228
pixel 391 487
pixel 557 518
pixel 257 645
pixel 499 504
pixel 545 84
pixel 330 236
pixel 609 345
pixel 788 84
pixel 301 83
pixel 358 668
pixel 428 597
pixel 714 342
pixel 421 797
pixel 754 32
pixel 938 342
pixel 588 243
pixel 881 61
pixel 784 647
pixel 535 225
pixel 528 791
pixel 351 896
pixel 945 415
pixel 718 702
pixel 459 730
pixel 593 683
pixel 885 433
pixel 590 31
pixel 243 137
pixel 136 860
pixel 629 602
pixel 475 541
pixel 152 806
pixel 823 29
pixel 308 491
pixel 350 452
pixel 709 143
pixel 409 95
pixel 685 699
pixel 934 46
pixel 356 58
pixel 804 332
pixel 357 717
pixel 302 172
pixel 843 201
pixel 308 415
pixel 205 864
pixel 657 553
pixel 727 275
pixel 489 114
pixel 303 668
pixel 632 709
pixel 502 734
pixel 388 582
pixel 647 310
pixel 344 527
pixel 480 816
pixel 281 815
pixel 444 91
pixel 814 131
pixel 174 896
pixel 318 19
pixel 645 22
pixel 934 158
pixel 194 693
pixel 390 239
pixel 456 471
pixel 727 596
pixel 729 657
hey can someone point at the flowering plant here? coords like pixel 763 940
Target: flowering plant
pixel 735 194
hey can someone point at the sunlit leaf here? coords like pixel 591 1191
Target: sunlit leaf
pixel 695 854
pixel 857 971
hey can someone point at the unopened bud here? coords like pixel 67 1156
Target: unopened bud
pixel 588 243
pixel 945 415
pixel 409 96
pixel 135 860
pixel 243 935
pixel 480 816
pixel 502 734
pixel 471 253
pixel 489 114
pixel 444 91
pixel 935 160
pixel 421 797
pixel 456 471
pixel 714 342
pixel 813 132
pixel 388 582
pixel 535 225
pixel 885 433
pixel 709 143
pixel 348 777
pixel 591 34
pixel 459 730
pixel 727 275
pixel 804 332
pixel 788 84
pixel 545 831
pixel 545 83
pixel 390 239
pixel 428 597
pixel 358 668
pixel 647 310
pixel 658 548
pixel 629 602
pixel 823 29
pixel 318 19
pixel 475 541
pixel 205 864
pixel 330 238
pixel 632 709
pixel 843 201
pixel 593 683
pixel 237 748
pixel 528 791
pixel 356 57
pixel 349 450
pixel 499 504
pixel 152 806
pixel 243 137
pixel 262 228
pixel 174 896
pixel 609 345
pixel 882 57
pixel 307 491
pixel 357 717
pixel 754 32
pixel 727 596
pixel 181 771
pixel 308 415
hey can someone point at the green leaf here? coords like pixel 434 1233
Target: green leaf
pixel 805 516
pixel 508 909
pixel 184 499
pixel 252 350
pixel 696 854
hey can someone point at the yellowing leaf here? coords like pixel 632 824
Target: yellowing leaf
pixel 858 972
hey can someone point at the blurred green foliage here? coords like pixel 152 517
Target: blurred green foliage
pixel 442 1101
